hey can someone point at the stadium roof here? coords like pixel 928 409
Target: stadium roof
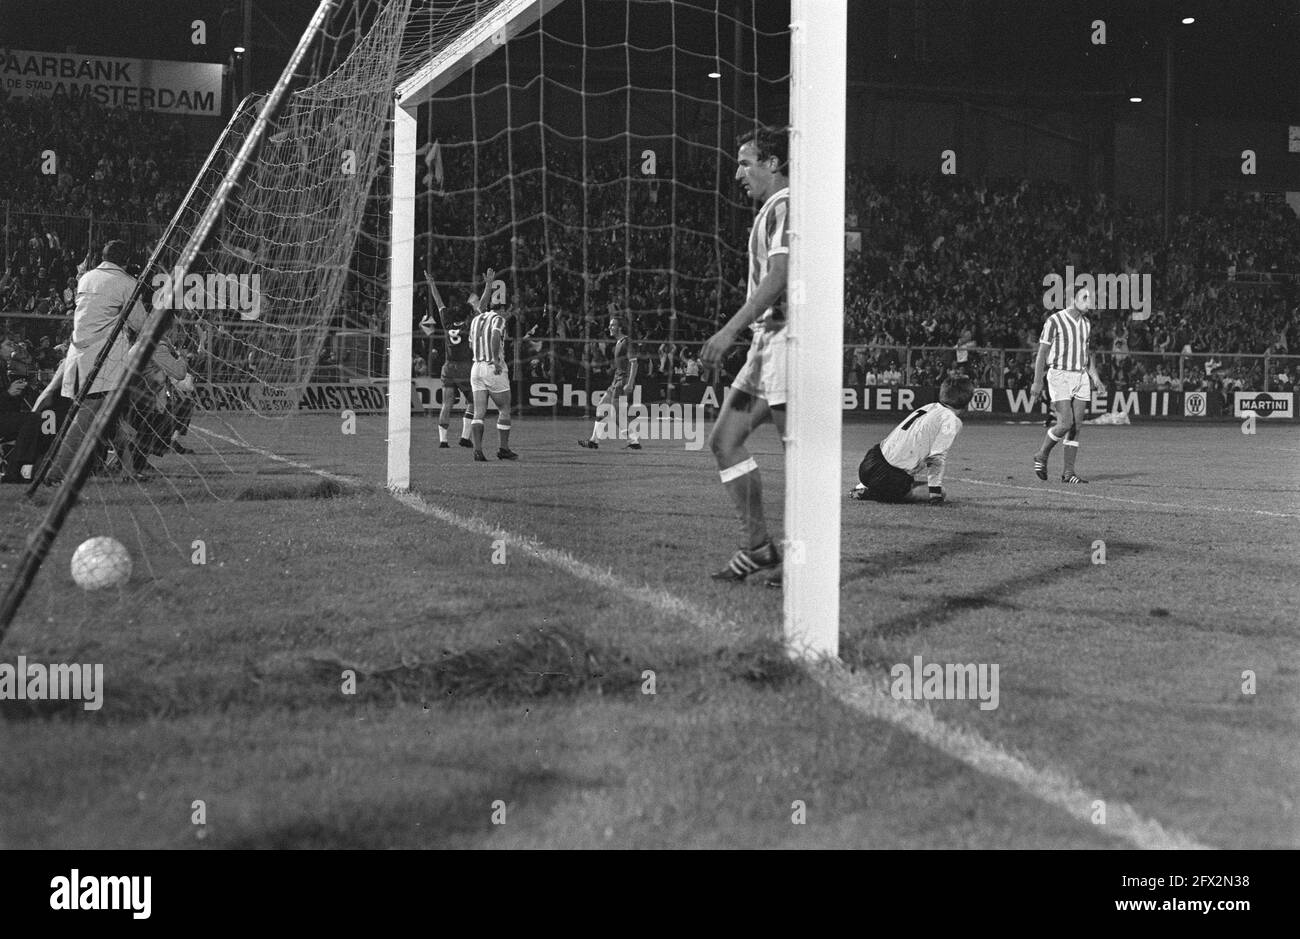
pixel 1240 58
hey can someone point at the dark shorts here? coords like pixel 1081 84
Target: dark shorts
pixel 455 373
pixel 884 481
pixel 615 390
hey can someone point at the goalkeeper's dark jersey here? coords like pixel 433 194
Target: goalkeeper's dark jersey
pixel 625 353
pixel 455 328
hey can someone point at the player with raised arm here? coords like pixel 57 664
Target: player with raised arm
pixel 621 386
pixel 487 377
pixel 1072 377
pixel 457 358
pixel 920 442
pixel 759 390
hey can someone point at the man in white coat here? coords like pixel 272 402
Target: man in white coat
pixel 102 293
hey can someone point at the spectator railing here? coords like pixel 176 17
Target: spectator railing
pixel 1262 277
pixel 75 233
pixel 221 355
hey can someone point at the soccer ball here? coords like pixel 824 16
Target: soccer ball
pixel 101 562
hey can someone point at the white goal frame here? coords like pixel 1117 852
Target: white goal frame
pixel 818 79
pixel 508 19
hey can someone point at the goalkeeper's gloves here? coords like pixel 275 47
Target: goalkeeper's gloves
pixel 936 495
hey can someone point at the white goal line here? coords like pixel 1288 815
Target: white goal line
pixel 1183 507
pixel 865 695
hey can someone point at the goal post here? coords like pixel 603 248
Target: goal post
pixel 487 36
pixel 401 298
pixel 815 295
pixel 156 326
pixel 817 100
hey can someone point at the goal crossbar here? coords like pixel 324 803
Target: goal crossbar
pixel 504 22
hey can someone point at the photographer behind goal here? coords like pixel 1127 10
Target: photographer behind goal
pixel 921 440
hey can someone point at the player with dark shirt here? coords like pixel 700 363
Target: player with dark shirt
pixel 18 423
pixel 621 386
pixel 457 358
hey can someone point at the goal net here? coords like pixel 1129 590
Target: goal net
pixel 586 151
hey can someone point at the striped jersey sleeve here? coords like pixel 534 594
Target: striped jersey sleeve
pixel 1067 339
pixel 768 238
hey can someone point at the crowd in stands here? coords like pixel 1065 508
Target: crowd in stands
pixel 126 169
pixel 949 268
pixel 129 165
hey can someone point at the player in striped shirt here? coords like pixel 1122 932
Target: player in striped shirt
pixel 621 386
pixel 457 358
pixel 759 390
pixel 920 442
pixel 1064 349
pixel 487 376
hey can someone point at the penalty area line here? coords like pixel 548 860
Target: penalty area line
pixel 1160 505
pixel 864 695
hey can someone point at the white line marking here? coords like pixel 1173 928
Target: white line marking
pixel 1074 491
pixel 865 695
pixel 872 698
pixel 659 599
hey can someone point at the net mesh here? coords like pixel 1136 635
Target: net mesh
pixel 588 158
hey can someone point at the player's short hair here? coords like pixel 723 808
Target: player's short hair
pixel 769 142
pixel 115 252
pixel 957 392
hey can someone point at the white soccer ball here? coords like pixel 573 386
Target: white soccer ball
pixel 101 562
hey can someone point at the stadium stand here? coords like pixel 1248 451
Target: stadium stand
pixel 944 262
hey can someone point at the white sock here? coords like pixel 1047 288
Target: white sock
pixel 595 431
pixel 464 426
pixel 442 434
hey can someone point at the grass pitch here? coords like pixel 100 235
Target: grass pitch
pixel 506 705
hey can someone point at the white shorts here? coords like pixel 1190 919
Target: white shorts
pixel 764 373
pixel 1063 385
pixel 483 377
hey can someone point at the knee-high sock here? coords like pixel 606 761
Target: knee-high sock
pixel 466 420
pixel 745 487
pixel 1049 441
pixel 503 431
pixel 476 429
pixel 1071 448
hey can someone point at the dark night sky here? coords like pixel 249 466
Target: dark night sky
pixel 1241 59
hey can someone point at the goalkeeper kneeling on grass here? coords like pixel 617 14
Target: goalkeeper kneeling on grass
pixel 921 440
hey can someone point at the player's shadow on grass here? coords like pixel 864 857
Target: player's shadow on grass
pixel 856 646
pixel 857 567
pixel 461 817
